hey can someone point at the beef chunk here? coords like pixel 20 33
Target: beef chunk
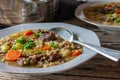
pixel 47 36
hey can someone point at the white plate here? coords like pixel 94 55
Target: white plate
pixel 80 15
pixel 84 34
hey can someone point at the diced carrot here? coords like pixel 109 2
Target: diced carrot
pixel 117 12
pixel 13 55
pixel 46 47
pixel 28 33
pixel 76 53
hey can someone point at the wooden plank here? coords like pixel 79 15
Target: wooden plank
pixel 51 77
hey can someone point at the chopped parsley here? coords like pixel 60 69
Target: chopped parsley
pixel 29 44
pixel 21 40
pixel 37 34
pixel 54 45
pixel 117 20
pixel 111 11
pixel 39 51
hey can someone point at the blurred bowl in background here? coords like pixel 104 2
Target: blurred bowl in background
pixel 104 27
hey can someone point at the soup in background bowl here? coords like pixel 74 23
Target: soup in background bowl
pixel 104 13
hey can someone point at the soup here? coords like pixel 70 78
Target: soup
pixel 108 13
pixel 37 48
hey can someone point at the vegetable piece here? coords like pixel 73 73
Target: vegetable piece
pixel 37 34
pixel 115 15
pixel 117 20
pixel 17 46
pixel 5 47
pixel 39 51
pixel 117 12
pixel 13 55
pixel 28 33
pixel 53 45
pixel 111 11
pixel 29 45
pixel 21 40
pixel 46 47
pixel 65 52
pixel 110 18
pixel 76 53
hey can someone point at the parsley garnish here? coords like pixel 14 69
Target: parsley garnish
pixel 117 20
pixel 37 34
pixel 39 51
pixel 29 44
pixel 21 40
pixel 54 45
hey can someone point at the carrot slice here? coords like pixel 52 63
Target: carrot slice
pixel 46 47
pixel 28 33
pixel 13 55
pixel 76 53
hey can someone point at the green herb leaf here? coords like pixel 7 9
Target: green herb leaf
pixel 37 34
pixel 21 40
pixel 29 44
pixel 39 51
pixel 117 20
pixel 54 45
pixel 111 11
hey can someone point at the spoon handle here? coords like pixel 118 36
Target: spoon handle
pixel 109 53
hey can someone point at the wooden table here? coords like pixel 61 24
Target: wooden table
pixel 98 68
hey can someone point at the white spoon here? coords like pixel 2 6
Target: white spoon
pixel 68 35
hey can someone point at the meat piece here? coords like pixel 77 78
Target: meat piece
pixel 41 57
pixel 47 36
pixel 55 57
pixel 44 58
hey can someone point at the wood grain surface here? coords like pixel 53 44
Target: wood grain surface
pixel 98 68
